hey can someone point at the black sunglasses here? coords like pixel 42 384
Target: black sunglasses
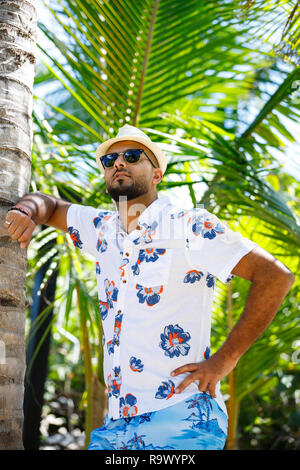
pixel 130 155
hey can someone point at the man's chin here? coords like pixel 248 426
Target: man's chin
pixel 123 190
pixel 118 191
pixel 120 187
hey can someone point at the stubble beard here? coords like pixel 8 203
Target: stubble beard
pixel 131 191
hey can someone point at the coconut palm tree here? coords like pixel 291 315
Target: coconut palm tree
pixel 17 59
pixel 203 78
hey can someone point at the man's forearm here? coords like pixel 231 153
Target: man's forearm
pixel 40 205
pixel 263 302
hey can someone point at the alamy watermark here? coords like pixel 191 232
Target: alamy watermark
pixel 165 223
pixel 2 353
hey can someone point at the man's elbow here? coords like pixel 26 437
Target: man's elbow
pixel 279 276
pixel 285 277
pixel 280 272
pixel 259 265
pixel 291 279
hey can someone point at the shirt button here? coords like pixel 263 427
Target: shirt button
pixel 124 280
pixel 119 311
pixel 127 254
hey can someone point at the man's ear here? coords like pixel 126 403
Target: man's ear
pixel 157 175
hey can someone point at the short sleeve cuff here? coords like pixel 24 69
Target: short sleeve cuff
pixel 226 271
pixel 81 227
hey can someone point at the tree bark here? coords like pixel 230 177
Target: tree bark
pixel 38 355
pixel 17 64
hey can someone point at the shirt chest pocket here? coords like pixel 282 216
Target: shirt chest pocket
pixel 152 266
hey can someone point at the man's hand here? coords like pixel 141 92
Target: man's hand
pixel 20 227
pixel 208 372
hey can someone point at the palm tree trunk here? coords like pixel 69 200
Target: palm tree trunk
pixel 17 42
pixel 37 354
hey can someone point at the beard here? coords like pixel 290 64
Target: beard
pixel 130 189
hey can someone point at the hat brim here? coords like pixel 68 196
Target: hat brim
pixel 155 149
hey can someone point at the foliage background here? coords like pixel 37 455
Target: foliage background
pixel 216 83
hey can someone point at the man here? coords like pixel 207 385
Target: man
pixel 156 266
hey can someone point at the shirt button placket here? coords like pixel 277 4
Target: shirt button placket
pixel 119 311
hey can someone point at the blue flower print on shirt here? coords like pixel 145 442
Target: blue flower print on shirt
pixel 135 364
pixel 117 330
pixel 179 214
pixel 135 268
pixel 75 237
pixel 165 390
pixel 192 276
pixel 97 221
pixel 105 215
pixel 124 261
pixel 150 294
pixel 114 383
pixel 104 308
pixel 111 346
pixel 174 341
pixel 148 255
pixel 207 352
pixel 207 226
pixel 151 254
pixel 111 291
pixel 101 243
pixel 210 280
pixel 118 324
pixel 149 233
pixel 111 296
pixel 98 269
pixel 128 406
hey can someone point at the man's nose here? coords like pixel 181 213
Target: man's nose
pixel 120 161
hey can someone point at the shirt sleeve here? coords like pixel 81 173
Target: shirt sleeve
pixel 83 227
pixel 213 246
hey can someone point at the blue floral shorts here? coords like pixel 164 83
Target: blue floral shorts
pixel 197 423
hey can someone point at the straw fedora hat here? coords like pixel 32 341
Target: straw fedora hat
pixel 128 132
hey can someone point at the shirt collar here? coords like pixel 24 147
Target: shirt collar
pixel 151 212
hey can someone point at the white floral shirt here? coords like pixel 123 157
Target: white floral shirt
pixel 155 290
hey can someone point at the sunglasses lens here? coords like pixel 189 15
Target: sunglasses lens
pixel 132 156
pixel 109 160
